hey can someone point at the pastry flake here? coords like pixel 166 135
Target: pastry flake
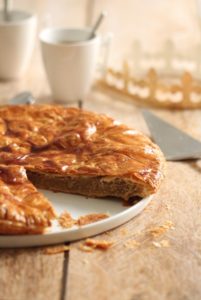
pixel 91 218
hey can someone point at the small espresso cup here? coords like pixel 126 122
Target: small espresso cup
pixel 70 58
pixel 17 37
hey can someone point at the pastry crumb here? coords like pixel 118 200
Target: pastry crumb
pixel 65 220
pixel 91 218
pixel 156 244
pixel 169 225
pixel 163 243
pixel 91 244
pixel 131 244
pixel 56 250
pixel 124 231
pixel 85 261
pixel 160 230
pixel 167 206
pixel 99 244
pixel 85 248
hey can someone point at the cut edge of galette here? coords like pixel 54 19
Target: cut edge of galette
pixel 23 210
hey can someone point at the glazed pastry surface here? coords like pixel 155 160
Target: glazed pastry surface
pixel 68 142
pixel 22 208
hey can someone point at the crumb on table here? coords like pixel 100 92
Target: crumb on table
pixel 89 244
pixel 160 230
pixel 131 244
pixel 55 249
pixel 161 244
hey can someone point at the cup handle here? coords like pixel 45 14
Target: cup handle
pixel 105 45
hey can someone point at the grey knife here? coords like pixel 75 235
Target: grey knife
pixel 175 144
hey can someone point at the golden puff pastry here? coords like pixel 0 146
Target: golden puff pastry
pixel 75 151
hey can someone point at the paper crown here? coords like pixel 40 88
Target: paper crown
pixel 154 90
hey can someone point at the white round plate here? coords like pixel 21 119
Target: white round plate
pixel 77 206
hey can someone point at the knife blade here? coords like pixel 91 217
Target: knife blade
pixel 174 143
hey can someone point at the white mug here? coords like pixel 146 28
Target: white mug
pixel 17 37
pixel 70 59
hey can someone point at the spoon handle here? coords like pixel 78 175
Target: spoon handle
pixel 6 9
pixel 97 24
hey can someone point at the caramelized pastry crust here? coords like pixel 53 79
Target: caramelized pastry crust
pixel 67 147
pixel 22 208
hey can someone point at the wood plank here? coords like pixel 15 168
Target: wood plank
pixel 30 274
pixel 147 271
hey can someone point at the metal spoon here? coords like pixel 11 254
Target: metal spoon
pixel 97 24
pixel 22 98
pixel 6 10
pixel 27 98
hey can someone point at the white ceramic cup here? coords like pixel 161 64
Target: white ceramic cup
pixel 17 37
pixel 70 59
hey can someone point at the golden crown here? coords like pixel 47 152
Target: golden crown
pixel 153 89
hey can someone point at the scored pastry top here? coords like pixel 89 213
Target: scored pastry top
pixel 22 208
pixel 68 143
pixel 71 141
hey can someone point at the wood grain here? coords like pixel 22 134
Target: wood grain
pixel 30 274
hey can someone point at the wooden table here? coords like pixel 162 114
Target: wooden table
pixel 143 272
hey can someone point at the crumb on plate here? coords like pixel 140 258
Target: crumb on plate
pixel 91 218
pixel 65 220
